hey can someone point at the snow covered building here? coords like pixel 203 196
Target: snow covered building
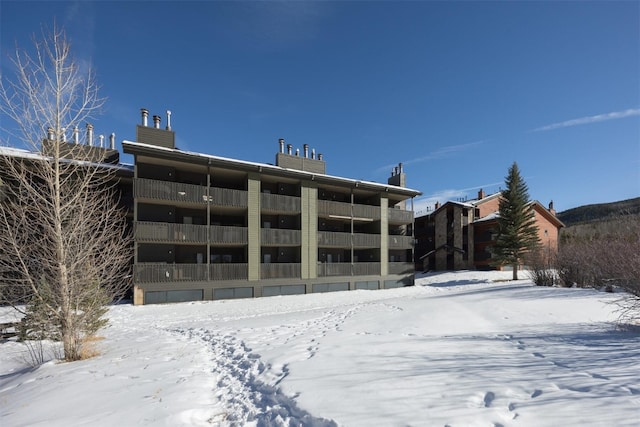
pixel 458 235
pixel 208 227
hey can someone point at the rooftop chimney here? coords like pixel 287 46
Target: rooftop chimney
pixel 297 151
pixel 89 134
pixel 76 135
pixel 101 137
pixel 289 147
pixel 168 120
pixel 306 150
pixel 156 122
pixel 481 194
pixel 437 206
pixel 281 142
pixel 313 153
pixel 400 167
pixel 320 156
pixel 551 209
pixel 112 141
pixel 145 116
pixel 64 135
pixel 50 133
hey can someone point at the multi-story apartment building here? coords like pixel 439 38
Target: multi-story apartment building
pixel 458 235
pixel 208 227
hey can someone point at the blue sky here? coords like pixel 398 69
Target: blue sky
pixel 456 91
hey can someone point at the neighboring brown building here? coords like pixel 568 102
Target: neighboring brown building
pixel 458 235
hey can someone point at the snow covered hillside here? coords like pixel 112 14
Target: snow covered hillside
pixel 458 349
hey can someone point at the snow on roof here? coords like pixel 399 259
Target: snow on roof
pixel 265 166
pixel 26 154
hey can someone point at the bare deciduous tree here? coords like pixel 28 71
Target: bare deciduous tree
pixel 65 249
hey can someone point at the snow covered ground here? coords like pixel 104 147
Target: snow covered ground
pixel 458 349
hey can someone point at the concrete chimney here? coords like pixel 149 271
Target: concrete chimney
pixel 281 142
pixel 145 116
pixel 168 120
pixel 112 141
pixel 156 122
pixel 289 147
pixel 76 135
pixel 89 134
pixel 306 150
pixel 481 194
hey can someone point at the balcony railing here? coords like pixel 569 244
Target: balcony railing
pixel 228 271
pixel 334 269
pixel 366 268
pixel 169 191
pixel 330 239
pixel 280 237
pixel 162 273
pixel 226 235
pixel 401 268
pixel 362 240
pixel 279 203
pixel 366 212
pixel 328 207
pixel 163 232
pixel 280 270
pixel 401 242
pixel 188 193
pixel 400 216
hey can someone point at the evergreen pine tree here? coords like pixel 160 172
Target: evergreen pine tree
pixel 517 229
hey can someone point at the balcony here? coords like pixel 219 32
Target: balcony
pixel 366 268
pixel 401 242
pixel 334 269
pixel 278 203
pixel 188 193
pixel 164 273
pixel 280 270
pixel 280 237
pixel 163 232
pixel 228 271
pixel 401 268
pixel 226 235
pixel 329 239
pixel 400 216
pixel 362 240
pixel 366 212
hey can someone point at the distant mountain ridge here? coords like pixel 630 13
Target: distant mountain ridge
pixel 599 212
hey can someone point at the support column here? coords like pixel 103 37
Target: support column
pixel 253 226
pixel 384 235
pixel 309 230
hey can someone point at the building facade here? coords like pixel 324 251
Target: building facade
pixel 458 235
pixel 207 227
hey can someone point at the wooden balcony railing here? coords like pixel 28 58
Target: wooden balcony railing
pixel 162 272
pixel 362 240
pixel 330 239
pixel 188 193
pixel 226 235
pixel 400 216
pixel 228 271
pixel 279 203
pixel 366 211
pixel 328 207
pixel 366 268
pixel 327 269
pixel 280 237
pixel 401 268
pixel 401 242
pixel 280 270
pixel 163 232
